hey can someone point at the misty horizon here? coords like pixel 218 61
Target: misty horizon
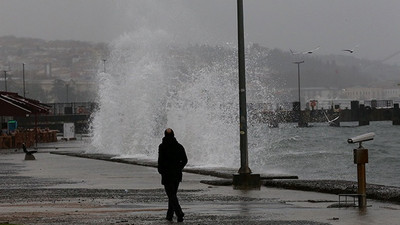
pixel 368 26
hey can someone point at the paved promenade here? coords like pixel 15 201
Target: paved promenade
pixel 60 189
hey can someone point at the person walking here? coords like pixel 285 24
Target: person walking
pixel 171 161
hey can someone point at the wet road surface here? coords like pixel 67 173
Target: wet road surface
pixel 58 189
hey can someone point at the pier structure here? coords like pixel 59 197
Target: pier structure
pixel 80 114
pixel 361 113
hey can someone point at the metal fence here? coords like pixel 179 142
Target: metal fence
pixel 87 108
pixel 72 108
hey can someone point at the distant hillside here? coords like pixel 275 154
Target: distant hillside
pixel 62 62
pixel 50 66
pixel 330 70
pixel 51 59
pixel 276 66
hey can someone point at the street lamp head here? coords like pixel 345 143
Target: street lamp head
pixel 298 62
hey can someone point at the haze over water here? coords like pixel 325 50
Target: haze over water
pixel 142 92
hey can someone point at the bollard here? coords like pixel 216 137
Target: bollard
pixel 28 154
pixel 246 181
pixel 29 157
pixel 361 158
pixel 363 116
pixel 396 114
pixel 355 108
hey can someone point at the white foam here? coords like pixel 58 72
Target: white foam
pixel 139 97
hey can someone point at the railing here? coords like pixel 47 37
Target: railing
pixel 73 108
pixel 343 104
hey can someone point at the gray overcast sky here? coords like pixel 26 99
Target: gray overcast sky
pixel 296 24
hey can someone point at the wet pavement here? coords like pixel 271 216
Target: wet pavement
pixel 60 189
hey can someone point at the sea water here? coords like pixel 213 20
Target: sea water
pixel 322 151
pixel 142 93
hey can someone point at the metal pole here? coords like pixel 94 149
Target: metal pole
pixel 298 85
pixel 23 78
pixel 5 80
pixel 104 65
pixel 298 82
pixel 360 158
pixel 67 91
pixel 244 161
pixel 36 130
pixel 362 185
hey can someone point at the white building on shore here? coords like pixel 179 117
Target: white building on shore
pixel 365 93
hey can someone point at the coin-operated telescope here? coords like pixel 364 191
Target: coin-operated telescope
pixel 360 158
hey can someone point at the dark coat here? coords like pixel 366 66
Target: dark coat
pixel 171 160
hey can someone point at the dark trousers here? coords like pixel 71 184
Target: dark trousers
pixel 171 188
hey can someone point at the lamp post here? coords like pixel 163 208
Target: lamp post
pixel 23 78
pixel 67 86
pixel 244 165
pixel 104 65
pixel 243 180
pixel 5 80
pixel 300 124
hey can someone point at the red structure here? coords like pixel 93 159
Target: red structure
pixel 13 105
